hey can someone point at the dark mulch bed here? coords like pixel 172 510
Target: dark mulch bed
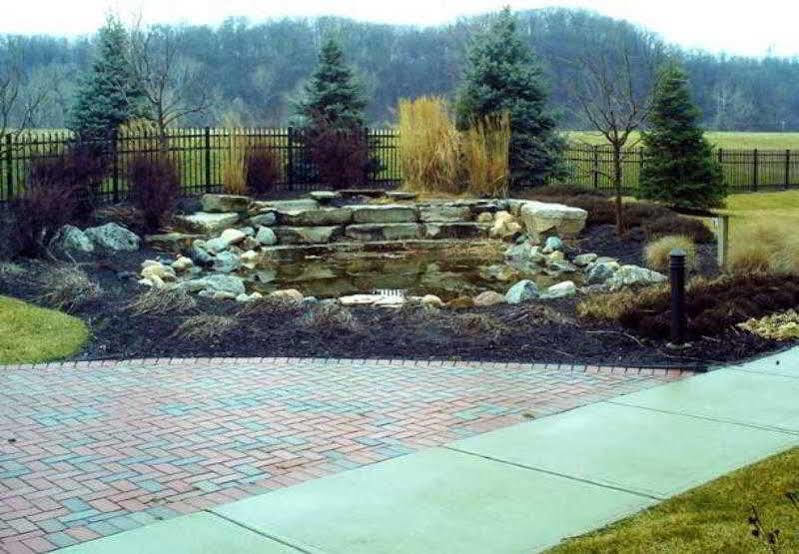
pixel 535 332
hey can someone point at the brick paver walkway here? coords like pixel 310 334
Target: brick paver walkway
pixel 94 449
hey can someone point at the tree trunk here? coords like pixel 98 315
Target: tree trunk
pixel 617 186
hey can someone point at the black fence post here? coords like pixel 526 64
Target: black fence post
pixel 677 280
pixel 207 159
pixel 115 164
pixel 290 158
pixel 596 166
pixel 755 171
pixel 9 168
pixel 787 168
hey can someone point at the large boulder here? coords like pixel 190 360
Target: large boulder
pixel 386 213
pixel 522 291
pixel 561 290
pixel 202 222
pixel 599 273
pixel 314 217
pixel 629 275
pixel 460 230
pixel 385 231
pixel 307 235
pixel 225 203
pixel 540 217
pixel 70 239
pixel 436 213
pixel 114 237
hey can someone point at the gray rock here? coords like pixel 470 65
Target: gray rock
pixel 225 240
pixel 387 213
pixel 71 239
pixel 455 230
pixel 199 254
pixel 522 291
pixel 629 275
pixel 401 195
pixel 114 237
pixel 307 235
pixel 266 236
pixel 202 222
pixel 224 203
pixel 226 262
pixel 553 244
pixel 224 283
pixel 324 196
pixel 561 290
pixel 599 273
pixel 272 205
pixel 385 231
pixel 315 217
pixel 524 253
pixel 562 266
pixel 585 259
pixel 266 219
pixel 436 213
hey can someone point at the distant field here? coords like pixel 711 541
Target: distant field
pixel 765 141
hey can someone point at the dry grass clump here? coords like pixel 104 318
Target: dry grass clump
pixel 160 302
pixel 486 147
pixel 764 245
pixel 673 224
pixel 429 145
pixel 782 326
pixel 610 307
pixel 68 287
pixel 332 319
pixel 205 327
pixel 269 306
pixel 234 164
pixel 477 325
pixel 657 253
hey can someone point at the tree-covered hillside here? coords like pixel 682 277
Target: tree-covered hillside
pixel 258 69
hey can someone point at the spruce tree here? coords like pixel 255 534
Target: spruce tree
pixel 332 95
pixel 108 95
pixel 503 76
pixel 679 166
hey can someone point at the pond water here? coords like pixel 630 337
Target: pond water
pixel 445 273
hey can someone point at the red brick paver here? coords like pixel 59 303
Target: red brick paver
pixel 92 449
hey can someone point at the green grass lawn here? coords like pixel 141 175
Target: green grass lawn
pixel 748 141
pixel 710 518
pixel 29 334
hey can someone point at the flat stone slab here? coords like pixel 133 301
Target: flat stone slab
pixel 635 449
pixel 314 217
pixel 540 217
pixel 744 397
pixel 401 195
pixel 300 204
pixel 444 213
pixel 224 203
pixel 324 196
pixel 369 193
pixel 200 533
pixel 172 242
pixel 203 222
pixel 433 501
pixel 384 231
pixel 455 230
pixel 386 213
pixel 307 235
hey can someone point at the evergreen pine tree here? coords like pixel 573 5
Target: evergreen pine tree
pixel 108 95
pixel 502 76
pixel 679 166
pixel 332 95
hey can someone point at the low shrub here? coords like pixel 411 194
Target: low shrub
pixel 205 328
pixel 154 182
pixel 264 169
pixel 610 307
pixel 677 225
pixel 477 325
pixel 340 156
pixel 333 320
pixel 715 306
pixel 657 253
pixel 270 306
pixel 782 326
pixel 161 302
pixel 68 288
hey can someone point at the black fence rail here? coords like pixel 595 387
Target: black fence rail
pixel 202 154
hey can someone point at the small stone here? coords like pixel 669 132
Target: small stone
pixel 522 291
pixel 266 236
pixel 226 262
pixel 182 264
pixel 199 254
pixel 145 282
pixel 556 256
pixel 505 226
pixel 233 236
pixel 265 219
pixel 488 298
pixel 553 244
pixel 248 231
pixel 225 283
pixel 431 301
pixel 584 259
pixel 287 294
pixel 249 259
pixel 561 290
pixel 157 271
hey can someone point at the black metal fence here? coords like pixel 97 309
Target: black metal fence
pixel 202 154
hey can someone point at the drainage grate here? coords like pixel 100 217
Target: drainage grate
pixel 398 293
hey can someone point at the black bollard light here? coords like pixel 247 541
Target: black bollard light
pixel 677 278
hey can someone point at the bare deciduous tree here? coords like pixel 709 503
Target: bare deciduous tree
pixel 170 81
pixel 614 94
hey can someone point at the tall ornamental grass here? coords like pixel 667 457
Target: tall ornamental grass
pixel 486 147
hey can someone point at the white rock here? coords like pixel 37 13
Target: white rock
pixel 249 259
pixel 584 259
pixel 489 298
pixel 505 226
pixel 182 264
pixel 561 290
pixel 540 217
pixel 287 294
pixel 431 301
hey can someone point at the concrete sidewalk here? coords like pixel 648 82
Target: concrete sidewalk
pixel 519 489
